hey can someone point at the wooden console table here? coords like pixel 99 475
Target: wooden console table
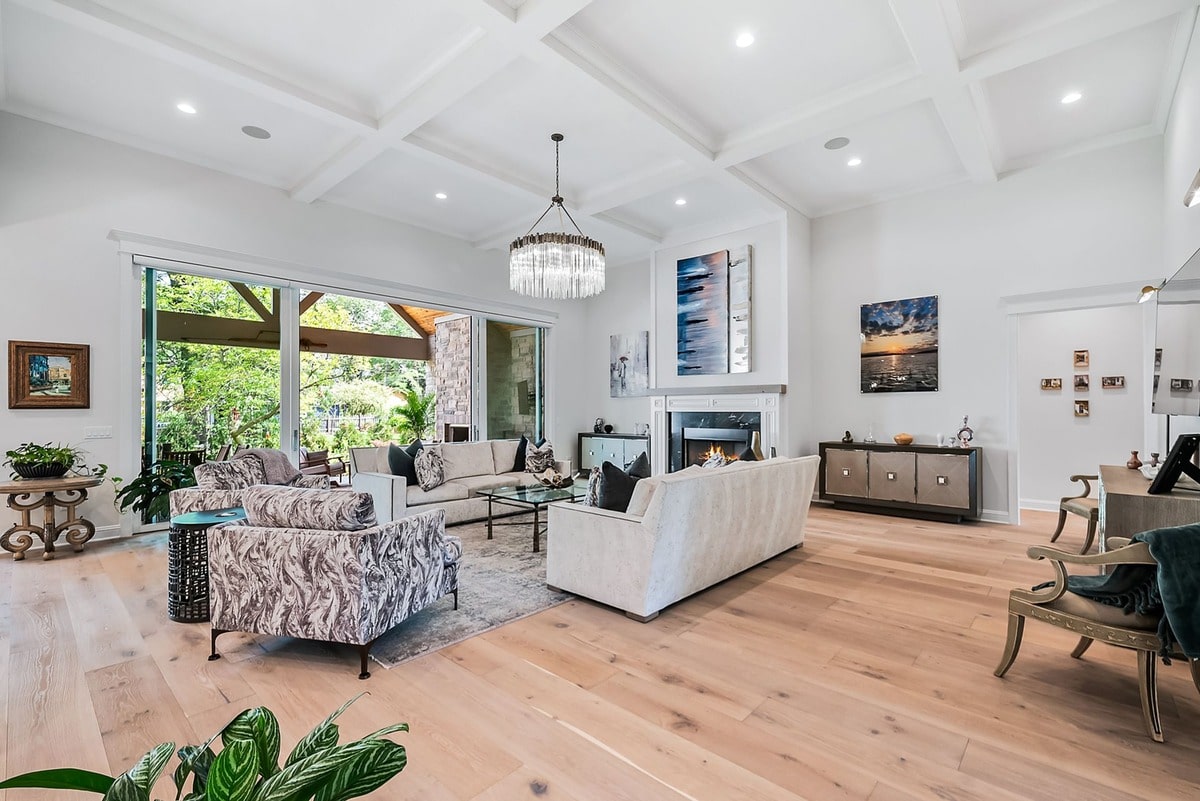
pixel 1126 508
pixel 20 494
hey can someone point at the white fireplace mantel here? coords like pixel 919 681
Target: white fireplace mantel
pixel 767 404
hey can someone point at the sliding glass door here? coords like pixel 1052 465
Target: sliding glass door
pixel 513 366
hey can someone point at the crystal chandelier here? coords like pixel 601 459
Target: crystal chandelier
pixel 556 265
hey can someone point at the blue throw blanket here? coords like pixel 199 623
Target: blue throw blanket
pixel 1170 589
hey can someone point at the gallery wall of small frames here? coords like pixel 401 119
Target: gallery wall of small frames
pixel 1081 382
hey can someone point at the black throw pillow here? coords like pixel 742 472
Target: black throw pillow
pixel 640 467
pixel 747 455
pixel 616 488
pixel 519 463
pixel 403 462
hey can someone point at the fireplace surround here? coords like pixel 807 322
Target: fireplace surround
pixel 739 414
pixel 695 435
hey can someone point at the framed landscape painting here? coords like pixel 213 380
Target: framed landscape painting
pixel 899 346
pixel 48 375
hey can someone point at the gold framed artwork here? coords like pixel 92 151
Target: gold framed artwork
pixel 1082 358
pixel 1083 382
pixel 1082 408
pixel 48 375
pixel 1112 382
pixel 1051 383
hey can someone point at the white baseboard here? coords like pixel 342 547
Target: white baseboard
pixel 1039 506
pixel 996 516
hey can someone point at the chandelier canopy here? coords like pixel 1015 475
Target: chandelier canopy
pixel 556 265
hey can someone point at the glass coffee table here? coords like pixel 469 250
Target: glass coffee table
pixel 531 498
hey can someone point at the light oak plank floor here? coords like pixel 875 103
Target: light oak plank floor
pixel 858 668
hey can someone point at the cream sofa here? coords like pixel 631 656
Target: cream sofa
pixel 469 467
pixel 682 533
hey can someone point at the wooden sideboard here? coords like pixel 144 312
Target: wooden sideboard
pixel 1127 508
pixel 907 480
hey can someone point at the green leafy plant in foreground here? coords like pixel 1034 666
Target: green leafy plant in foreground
pixel 70 457
pixel 150 492
pixel 247 766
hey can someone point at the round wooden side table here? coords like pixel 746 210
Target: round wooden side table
pixel 187 562
pixel 21 492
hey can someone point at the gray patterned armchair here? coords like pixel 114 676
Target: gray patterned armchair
pixel 219 485
pixel 317 580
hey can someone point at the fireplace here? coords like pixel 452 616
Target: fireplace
pixel 701 443
pixel 696 435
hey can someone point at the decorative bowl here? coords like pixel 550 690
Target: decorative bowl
pixel 52 470
pixel 903 439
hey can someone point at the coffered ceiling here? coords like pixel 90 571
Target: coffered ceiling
pixel 382 105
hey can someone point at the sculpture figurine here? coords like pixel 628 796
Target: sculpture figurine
pixel 598 426
pixel 847 437
pixel 965 434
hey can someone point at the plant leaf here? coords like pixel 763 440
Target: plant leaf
pixel 197 760
pixel 234 772
pixel 147 770
pixel 375 735
pixel 324 735
pixel 373 766
pixel 124 789
pixel 259 726
pixel 61 779
pixel 301 779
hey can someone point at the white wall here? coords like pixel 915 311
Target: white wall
pixel 1052 443
pixel 1181 160
pixel 622 308
pixel 61 193
pixel 1091 220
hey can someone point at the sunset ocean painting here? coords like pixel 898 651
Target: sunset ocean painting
pixel 899 351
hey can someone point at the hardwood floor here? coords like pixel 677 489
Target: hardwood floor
pixel 857 667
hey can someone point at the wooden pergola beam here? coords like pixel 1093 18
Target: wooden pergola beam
pixel 252 299
pixel 408 318
pixel 310 300
pixel 205 330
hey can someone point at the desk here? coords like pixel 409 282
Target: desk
pixel 1127 508
pixel 20 493
pixel 187 562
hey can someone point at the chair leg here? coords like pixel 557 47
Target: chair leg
pixel 1148 685
pixel 214 634
pixel 1194 666
pixel 1062 521
pixel 1084 644
pixel 364 651
pixel 456 599
pixel 1091 536
pixel 1016 627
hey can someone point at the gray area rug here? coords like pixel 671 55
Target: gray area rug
pixel 499 580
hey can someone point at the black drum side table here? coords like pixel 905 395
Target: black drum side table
pixel 187 562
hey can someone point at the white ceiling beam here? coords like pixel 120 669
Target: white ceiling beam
pixel 1181 42
pixel 444 87
pixel 125 30
pixel 1107 20
pixel 855 104
pixel 629 226
pixel 1091 145
pixel 932 45
pixel 635 187
pixel 499 41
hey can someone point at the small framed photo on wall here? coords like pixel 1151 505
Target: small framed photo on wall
pixel 1051 383
pixel 1082 382
pixel 48 375
pixel 1112 382
pixel 1082 409
pixel 1082 359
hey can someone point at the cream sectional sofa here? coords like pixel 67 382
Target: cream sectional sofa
pixel 469 467
pixel 682 533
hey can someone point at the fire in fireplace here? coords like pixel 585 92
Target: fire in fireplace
pixel 699 444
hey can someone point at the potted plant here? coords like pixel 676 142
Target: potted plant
pixel 30 460
pixel 150 493
pixel 247 767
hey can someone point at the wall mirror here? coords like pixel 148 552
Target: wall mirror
pixel 1176 388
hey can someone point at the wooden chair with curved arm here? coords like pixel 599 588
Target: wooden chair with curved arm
pixel 1093 620
pixel 1083 505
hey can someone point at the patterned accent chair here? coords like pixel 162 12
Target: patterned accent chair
pixel 219 485
pixel 316 565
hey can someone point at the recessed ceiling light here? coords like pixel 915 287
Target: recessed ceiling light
pixel 255 132
pixel 440 196
pixel 837 143
pixel 186 108
pixel 744 39
pixel 854 162
pixel 680 201
pixel 1071 97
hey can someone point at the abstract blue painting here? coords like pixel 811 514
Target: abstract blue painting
pixel 702 314
pixel 899 346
